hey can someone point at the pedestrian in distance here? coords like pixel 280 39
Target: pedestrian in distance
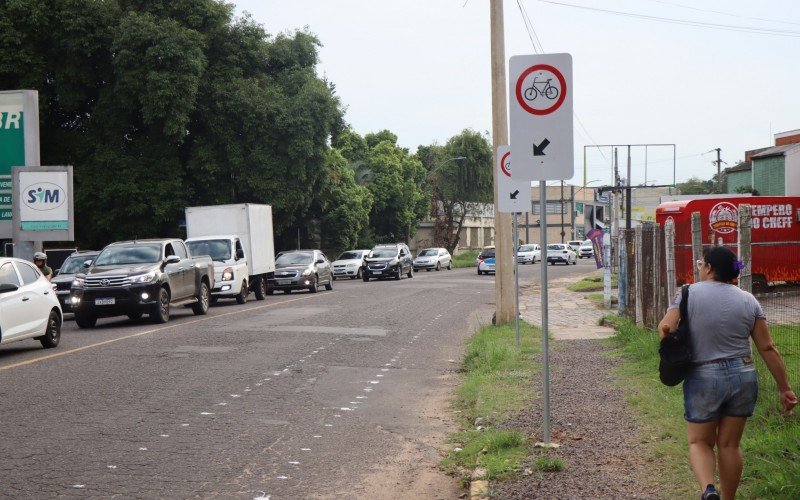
pixel 721 387
pixel 40 259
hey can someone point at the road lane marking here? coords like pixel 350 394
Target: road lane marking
pixel 154 330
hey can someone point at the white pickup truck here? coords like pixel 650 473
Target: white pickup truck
pixel 239 240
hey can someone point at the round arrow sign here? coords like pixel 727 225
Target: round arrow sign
pixel 541 89
pixel 505 164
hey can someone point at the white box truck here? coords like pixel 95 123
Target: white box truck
pixel 239 240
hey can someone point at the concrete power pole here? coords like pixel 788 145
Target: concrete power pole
pixel 504 268
pixel 719 169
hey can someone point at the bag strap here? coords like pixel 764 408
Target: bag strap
pixel 684 308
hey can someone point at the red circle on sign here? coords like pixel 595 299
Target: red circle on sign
pixel 503 164
pixel 561 97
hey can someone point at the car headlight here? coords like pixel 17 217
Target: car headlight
pixel 308 272
pixel 78 282
pixel 227 274
pixel 143 278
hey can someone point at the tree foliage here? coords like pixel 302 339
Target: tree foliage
pixel 163 104
pixel 459 178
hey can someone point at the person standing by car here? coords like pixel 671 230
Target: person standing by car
pixel 721 388
pixel 40 259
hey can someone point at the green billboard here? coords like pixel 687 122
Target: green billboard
pixel 19 143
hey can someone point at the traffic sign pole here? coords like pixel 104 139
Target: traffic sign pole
pixel 545 340
pixel 516 280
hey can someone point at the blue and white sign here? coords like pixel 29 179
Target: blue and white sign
pixel 43 204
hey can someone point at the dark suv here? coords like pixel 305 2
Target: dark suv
pixel 385 261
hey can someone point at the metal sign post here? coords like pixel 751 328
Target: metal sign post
pixel 516 280
pixel 545 343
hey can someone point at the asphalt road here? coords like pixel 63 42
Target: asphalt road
pixel 341 393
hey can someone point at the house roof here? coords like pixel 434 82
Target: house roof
pixel 777 150
pixel 740 167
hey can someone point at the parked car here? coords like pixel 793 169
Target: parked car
pixel 65 275
pixel 383 261
pixel 28 306
pixel 575 245
pixel 132 278
pixel 301 270
pixel 433 258
pixel 586 250
pixel 486 262
pixel 561 252
pixel 529 254
pixel 349 264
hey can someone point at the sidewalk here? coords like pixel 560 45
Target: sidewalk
pixel 571 316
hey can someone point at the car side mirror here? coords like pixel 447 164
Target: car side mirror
pixel 8 287
pixel 172 259
pixel 87 263
pixel 320 261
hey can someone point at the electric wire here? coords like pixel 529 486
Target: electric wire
pixel 725 13
pixel 685 22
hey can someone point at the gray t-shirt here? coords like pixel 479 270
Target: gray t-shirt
pixel 721 317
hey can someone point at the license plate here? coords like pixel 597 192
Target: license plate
pixel 104 302
pixel 284 282
pixel 377 272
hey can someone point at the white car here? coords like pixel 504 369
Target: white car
pixel 529 254
pixel 433 258
pixel 586 250
pixel 575 245
pixel 29 307
pixel 349 264
pixel 486 261
pixel 560 252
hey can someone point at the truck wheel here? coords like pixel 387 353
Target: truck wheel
pixel 261 288
pixel 242 297
pixel 52 335
pixel 314 286
pixel 365 277
pixel 329 286
pixel 201 307
pixel 160 311
pixel 85 320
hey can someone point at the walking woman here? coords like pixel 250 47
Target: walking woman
pixel 721 389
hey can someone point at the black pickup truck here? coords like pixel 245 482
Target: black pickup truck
pixel 142 277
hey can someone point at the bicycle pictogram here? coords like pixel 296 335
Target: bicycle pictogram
pixel 544 88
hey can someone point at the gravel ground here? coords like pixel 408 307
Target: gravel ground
pixel 591 422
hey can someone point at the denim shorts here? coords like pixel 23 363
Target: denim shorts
pixel 723 388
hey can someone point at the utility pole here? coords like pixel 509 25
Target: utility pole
pixel 719 170
pixel 628 193
pixel 503 283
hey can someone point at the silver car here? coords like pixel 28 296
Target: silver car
pixel 433 258
pixel 301 270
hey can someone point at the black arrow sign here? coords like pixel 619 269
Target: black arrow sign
pixel 539 150
pixel 513 195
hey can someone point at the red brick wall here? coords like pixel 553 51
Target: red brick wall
pixel 792 139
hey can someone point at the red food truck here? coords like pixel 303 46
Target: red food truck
pixel 775 235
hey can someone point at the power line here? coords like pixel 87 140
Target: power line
pixel 686 22
pixel 725 13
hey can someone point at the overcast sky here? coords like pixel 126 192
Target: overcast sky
pixel 420 68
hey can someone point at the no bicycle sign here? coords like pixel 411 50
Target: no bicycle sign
pixel 541 117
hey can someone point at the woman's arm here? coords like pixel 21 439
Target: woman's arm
pixel 769 353
pixel 669 323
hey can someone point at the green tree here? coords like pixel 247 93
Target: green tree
pixel 695 185
pixel 460 178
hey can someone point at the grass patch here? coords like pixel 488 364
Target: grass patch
pixel 496 385
pixel 465 259
pixel 546 464
pixel 591 283
pixel 598 298
pixel 771 441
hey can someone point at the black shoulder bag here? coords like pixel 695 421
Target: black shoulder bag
pixel 676 348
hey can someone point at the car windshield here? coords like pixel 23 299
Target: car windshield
pixel 74 264
pixel 382 253
pixel 556 247
pixel 488 254
pixel 429 252
pixel 526 248
pixel 129 254
pixel 587 243
pixel 219 250
pixel 294 259
pixel 350 256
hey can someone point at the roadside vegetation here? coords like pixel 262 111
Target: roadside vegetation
pixel 465 259
pixel 496 387
pixel 592 283
pixel 771 441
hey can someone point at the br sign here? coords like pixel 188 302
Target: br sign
pixel 540 96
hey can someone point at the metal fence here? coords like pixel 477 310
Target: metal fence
pixel 652 267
